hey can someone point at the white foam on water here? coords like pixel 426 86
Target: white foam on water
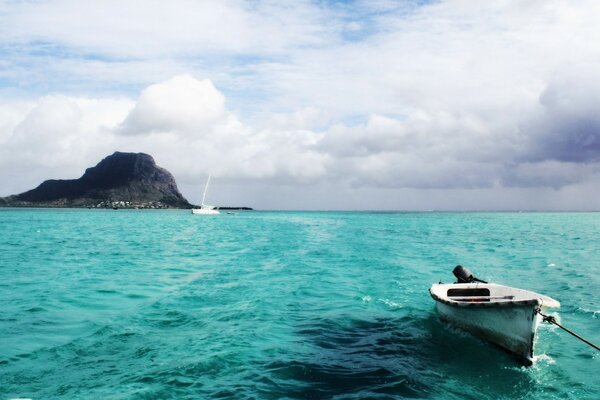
pixel 390 303
pixel 543 359
pixel 366 299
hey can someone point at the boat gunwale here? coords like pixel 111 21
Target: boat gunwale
pixel 496 303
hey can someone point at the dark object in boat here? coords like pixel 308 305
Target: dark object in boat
pixel 478 292
pixel 463 275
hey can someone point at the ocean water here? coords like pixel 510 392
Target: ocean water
pixel 133 304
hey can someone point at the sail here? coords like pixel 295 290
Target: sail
pixel 205 190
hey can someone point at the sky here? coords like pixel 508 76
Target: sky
pixel 317 105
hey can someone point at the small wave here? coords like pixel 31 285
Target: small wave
pixel 35 309
pixel 199 275
pixel 227 285
pixel 136 296
pixel 595 314
pixel 390 303
pixel 106 291
pixel 366 299
pixel 551 265
pixel 163 319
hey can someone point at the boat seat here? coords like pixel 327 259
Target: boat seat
pixel 476 292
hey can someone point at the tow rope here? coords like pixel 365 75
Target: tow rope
pixel 552 320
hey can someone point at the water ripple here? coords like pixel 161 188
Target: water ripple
pixel 147 305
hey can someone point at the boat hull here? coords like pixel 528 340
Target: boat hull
pixel 511 327
pixel 205 211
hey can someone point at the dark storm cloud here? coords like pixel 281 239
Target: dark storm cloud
pixel 568 128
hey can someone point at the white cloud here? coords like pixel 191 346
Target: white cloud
pixel 184 124
pixel 56 137
pixel 452 95
pixel 179 104
pixel 158 29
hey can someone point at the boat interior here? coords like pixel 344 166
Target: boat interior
pixel 487 293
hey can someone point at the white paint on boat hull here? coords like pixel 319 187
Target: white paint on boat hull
pixel 205 211
pixel 512 328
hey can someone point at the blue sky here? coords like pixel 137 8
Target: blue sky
pixel 311 104
pixel 53 59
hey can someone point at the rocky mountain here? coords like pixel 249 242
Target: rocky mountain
pixel 119 180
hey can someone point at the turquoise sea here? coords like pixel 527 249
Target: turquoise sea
pixel 132 304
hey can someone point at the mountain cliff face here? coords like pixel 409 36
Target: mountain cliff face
pixel 129 179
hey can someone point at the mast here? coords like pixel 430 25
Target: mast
pixel 205 189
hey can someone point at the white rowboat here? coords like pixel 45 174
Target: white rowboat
pixel 503 315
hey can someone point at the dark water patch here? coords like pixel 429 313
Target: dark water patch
pixel 403 357
pixel 370 358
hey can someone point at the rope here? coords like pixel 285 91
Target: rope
pixel 552 320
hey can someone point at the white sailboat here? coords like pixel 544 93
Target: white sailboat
pixel 205 209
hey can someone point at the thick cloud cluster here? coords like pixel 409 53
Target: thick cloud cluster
pixel 568 127
pixel 181 104
pixel 185 124
pixel 446 104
